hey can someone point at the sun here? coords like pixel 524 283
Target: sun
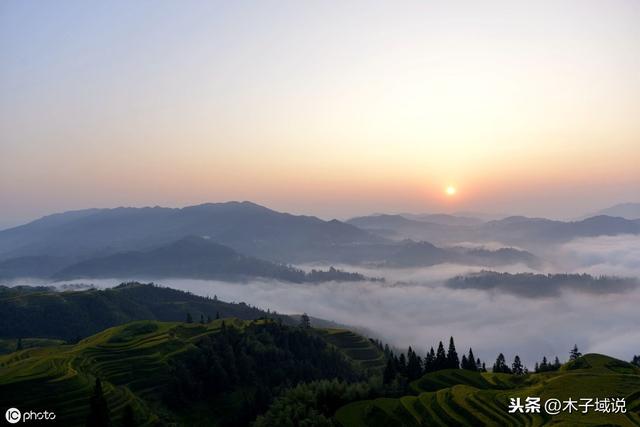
pixel 450 190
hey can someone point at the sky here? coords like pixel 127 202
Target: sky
pixel 333 108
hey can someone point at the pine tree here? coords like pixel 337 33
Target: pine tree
pixel 389 373
pixel 98 410
pixel 402 364
pixel 517 367
pixel 202 319
pixel 544 366
pixel 19 344
pixel 441 358
pixel 429 361
pixel 189 318
pixel 414 365
pixel 217 315
pixel 471 360
pixel 500 365
pixel 574 353
pixel 453 362
pixel 208 319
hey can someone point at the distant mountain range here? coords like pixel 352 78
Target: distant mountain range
pixel 515 230
pixel 241 240
pixel 623 210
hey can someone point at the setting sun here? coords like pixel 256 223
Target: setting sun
pixel 451 190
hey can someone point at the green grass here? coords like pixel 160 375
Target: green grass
pixel 461 398
pixel 10 345
pixel 133 362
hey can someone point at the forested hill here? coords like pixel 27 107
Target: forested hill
pixel 222 373
pixel 44 312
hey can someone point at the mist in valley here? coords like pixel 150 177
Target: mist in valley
pixel 416 307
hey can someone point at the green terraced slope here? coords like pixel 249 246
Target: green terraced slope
pixel 460 398
pixel 132 360
pixel 356 347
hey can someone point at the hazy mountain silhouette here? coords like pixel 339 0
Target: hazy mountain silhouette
pixel 513 230
pixel 193 257
pixel 623 210
pixel 244 226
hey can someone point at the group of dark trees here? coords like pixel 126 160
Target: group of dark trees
pixel 547 366
pixel 411 366
pixel 244 370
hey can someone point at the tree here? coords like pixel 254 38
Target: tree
pixel 453 362
pixel 189 318
pixel 517 367
pixel 441 358
pixel 19 344
pixel 202 319
pixel 636 360
pixel 305 322
pixel 429 361
pixel 217 315
pixel 500 365
pixel 208 319
pixel 389 372
pixel 469 362
pixel 574 353
pixel 414 365
pixel 98 410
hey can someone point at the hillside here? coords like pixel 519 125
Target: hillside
pixel 154 368
pixel 464 398
pixel 42 312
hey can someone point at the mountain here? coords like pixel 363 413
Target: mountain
pixel 193 257
pixel 445 219
pixel 465 398
pixel 525 231
pixel 244 226
pixel 542 285
pixel 623 210
pixel 399 227
pixel 530 233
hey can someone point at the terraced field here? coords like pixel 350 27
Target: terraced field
pixel 132 361
pixel 356 347
pixel 459 398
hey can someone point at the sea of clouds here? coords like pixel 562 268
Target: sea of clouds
pixel 415 307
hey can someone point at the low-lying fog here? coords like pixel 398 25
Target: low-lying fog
pixel 414 307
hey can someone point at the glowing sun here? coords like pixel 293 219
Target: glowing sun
pixel 450 190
